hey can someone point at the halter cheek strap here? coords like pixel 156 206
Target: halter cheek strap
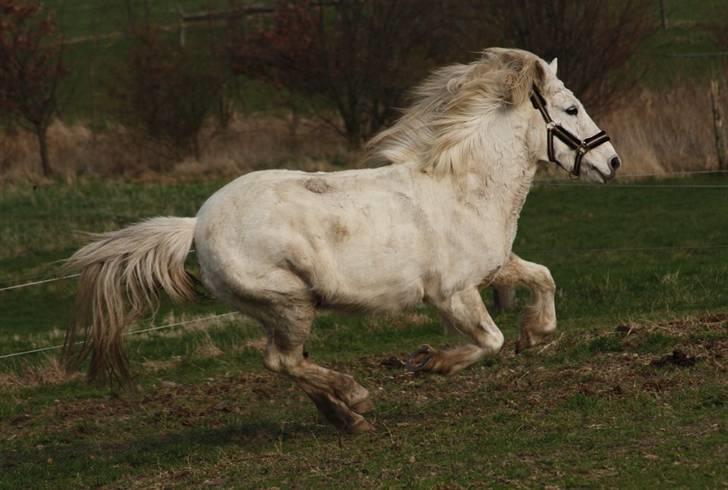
pixel 554 129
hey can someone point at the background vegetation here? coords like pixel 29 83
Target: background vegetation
pixel 293 68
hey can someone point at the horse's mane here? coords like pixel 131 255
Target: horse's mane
pixel 447 107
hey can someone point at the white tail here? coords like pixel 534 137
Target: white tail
pixel 121 274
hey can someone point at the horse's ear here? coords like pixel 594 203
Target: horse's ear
pixel 554 66
pixel 524 73
pixel 454 84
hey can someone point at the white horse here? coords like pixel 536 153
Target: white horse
pixel 433 225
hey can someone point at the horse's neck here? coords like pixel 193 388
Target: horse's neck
pixel 500 184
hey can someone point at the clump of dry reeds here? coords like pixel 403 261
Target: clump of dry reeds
pixel 247 143
pixel 666 131
pixel 656 132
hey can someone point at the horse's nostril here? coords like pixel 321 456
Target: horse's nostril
pixel 615 163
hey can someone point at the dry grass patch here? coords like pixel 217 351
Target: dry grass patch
pixel 48 372
pixel 248 143
pixel 666 131
pixel 658 132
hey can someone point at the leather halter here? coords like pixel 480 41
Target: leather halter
pixel 555 129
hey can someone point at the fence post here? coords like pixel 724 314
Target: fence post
pixel 182 28
pixel 720 147
pixel 663 14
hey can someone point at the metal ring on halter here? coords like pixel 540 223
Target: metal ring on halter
pixel 553 128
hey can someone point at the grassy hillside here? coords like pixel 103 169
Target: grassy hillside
pixel 94 31
pixel 631 393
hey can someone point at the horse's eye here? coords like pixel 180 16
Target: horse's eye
pixel 572 111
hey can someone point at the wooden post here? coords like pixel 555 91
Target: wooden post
pixel 504 298
pixel 663 14
pixel 181 27
pixel 720 146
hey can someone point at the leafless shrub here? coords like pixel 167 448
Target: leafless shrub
pixel 358 57
pixel 165 92
pixel 593 40
pixel 247 144
pixel 31 66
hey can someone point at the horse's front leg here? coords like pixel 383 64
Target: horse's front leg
pixel 539 318
pixel 465 312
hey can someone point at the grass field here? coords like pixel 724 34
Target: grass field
pixel 631 393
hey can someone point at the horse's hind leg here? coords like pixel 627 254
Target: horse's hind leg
pixel 338 397
pixel 465 312
pixel 539 318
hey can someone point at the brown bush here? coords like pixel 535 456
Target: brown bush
pixel 594 40
pixel 165 92
pixel 31 66
pixel 247 144
pixel 357 57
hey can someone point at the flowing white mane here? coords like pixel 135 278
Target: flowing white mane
pixel 447 108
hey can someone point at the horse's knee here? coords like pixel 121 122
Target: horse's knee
pixel 543 280
pixel 548 281
pixel 492 340
pixel 281 362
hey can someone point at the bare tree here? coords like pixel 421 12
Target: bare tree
pixel 167 91
pixel 356 56
pixel 31 67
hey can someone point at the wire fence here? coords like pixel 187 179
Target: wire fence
pixel 555 183
pixel 38 283
pixel 632 186
pixel 568 251
pixel 133 332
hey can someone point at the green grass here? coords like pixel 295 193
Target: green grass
pixel 591 409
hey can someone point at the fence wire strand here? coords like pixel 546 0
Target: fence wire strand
pixel 38 283
pixel 553 183
pixel 133 332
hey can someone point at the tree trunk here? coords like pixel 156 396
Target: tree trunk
pixel 353 141
pixel 41 135
pixel 353 133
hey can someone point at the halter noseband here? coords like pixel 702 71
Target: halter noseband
pixel 554 128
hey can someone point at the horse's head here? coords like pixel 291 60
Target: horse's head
pixel 572 139
pixel 465 115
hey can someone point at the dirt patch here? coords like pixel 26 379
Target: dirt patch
pixel 679 327
pixel 602 364
pixel 537 382
pixel 677 358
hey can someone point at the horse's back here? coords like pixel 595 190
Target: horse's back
pixel 354 238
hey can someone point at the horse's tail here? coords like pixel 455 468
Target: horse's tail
pixel 121 273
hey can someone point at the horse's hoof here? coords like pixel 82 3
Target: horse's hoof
pixel 360 426
pixel 526 342
pixel 521 346
pixel 421 359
